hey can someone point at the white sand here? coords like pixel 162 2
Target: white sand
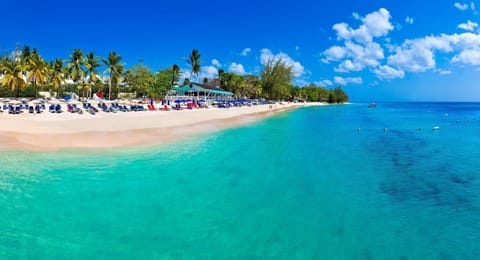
pixel 47 131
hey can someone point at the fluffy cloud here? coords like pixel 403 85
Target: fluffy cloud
pixel 357 56
pixel 387 72
pixel 236 68
pixel 468 26
pixel 468 56
pixel 209 72
pixel 297 67
pixel 466 6
pixel 216 63
pixel 334 53
pixel 461 7
pixel 375 24
pixel 345 81
pixel 326 82
pixel 409 20
pixel 418 55
pixel 245 52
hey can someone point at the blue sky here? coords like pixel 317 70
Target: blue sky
pixel 382 50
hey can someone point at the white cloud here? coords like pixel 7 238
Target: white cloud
pixel 358 56
pixel 297 67
pixel 468 56
pixel 461 7
pixel 375 24
pixel 236 68
pixel 209 72
pixel 356 16
pixel 297 48
pixel 334 53
pixel 444 72
pixel 468 26
pixel 409 20
pixel 326 82
pixel 345 81
pixel 418 55
pixel 245 52
pixel 216 63
pixel 387 72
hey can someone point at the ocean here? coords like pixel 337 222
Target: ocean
pixel 333 182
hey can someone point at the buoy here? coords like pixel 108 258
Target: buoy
pixel 385 129
pixel 436 128
pixel 358 129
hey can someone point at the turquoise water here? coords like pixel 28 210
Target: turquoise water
pixel 300 185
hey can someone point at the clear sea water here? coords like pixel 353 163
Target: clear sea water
pixel 303 184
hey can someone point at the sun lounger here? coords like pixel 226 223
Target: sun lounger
pixel 58 109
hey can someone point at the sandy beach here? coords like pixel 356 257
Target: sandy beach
pixel 51 132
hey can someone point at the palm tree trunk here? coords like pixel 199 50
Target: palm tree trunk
pixel 110 87
pixel 35 87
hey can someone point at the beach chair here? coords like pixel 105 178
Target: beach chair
pixel 31 110
pixel 70 109
pixel 164 108
pixel 58 109
pixel 38 109
pixel 51 108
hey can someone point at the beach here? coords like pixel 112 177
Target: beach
pixel 51 131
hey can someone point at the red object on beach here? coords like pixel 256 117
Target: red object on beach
pixel 99 95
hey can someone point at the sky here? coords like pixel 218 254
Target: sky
pixel 377 50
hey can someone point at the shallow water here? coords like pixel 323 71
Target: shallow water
pixel 303 184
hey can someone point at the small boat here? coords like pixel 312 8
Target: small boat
pixel 372 105
pixel 435 128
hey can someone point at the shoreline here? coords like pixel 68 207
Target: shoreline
pixel 52 132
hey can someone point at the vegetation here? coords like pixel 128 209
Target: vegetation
pixel 194 61
pixel 115 70
pixel 276 79
pixel 25 72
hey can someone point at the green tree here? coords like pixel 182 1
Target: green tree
pixel 115 69
pixel 276 78
pixel 140 78
pixel 76 66
pixel 57 75
pixel 91 65
pixel 12 72
pixel 176 74
pixel 37 70
pixel 195 63
pixel 163 82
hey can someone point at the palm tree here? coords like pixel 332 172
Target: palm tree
pixel 175 74
pixel 91 65
pixel 194 61
pixel 115 68
pixel 12 72
pixel 57 76
pixel 76 66
pixel 37 70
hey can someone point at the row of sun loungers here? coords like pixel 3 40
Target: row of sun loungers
pixel 117 107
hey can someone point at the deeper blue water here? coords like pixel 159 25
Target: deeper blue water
pixel 303 184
